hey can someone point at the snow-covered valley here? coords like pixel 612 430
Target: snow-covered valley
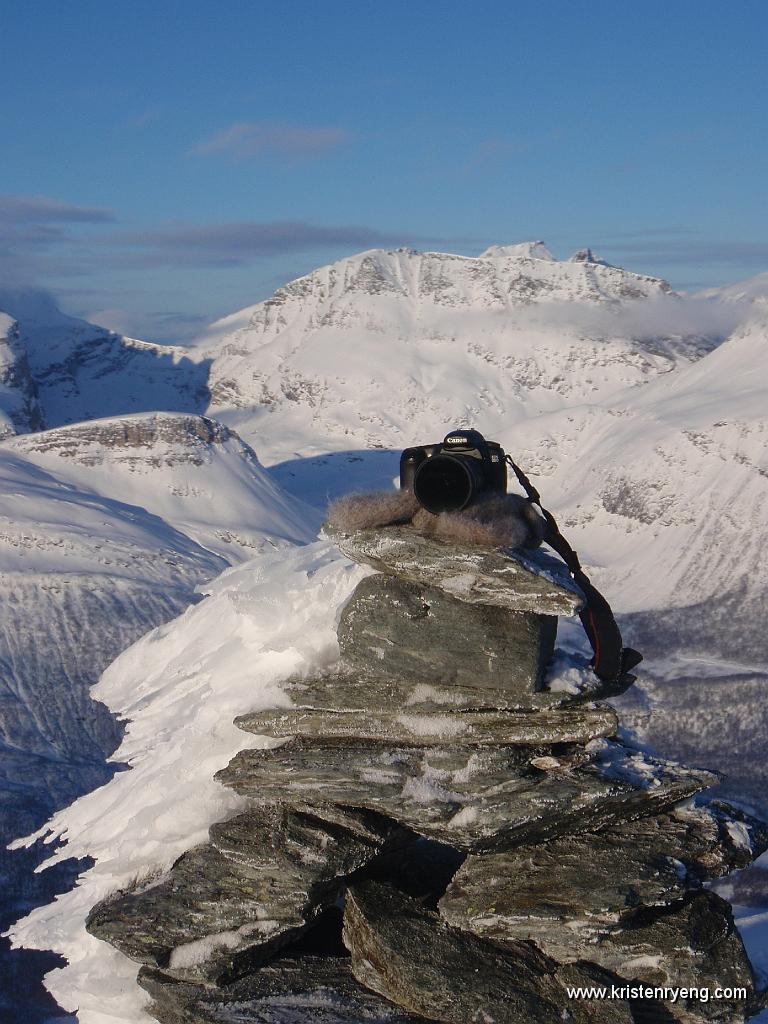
pixel 134 474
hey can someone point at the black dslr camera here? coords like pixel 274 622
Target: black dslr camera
pixel 449 476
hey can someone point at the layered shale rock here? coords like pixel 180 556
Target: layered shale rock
pixel 474 798
pixel 420 632
pixel 322 990
pixel 493 843
pixel 426 723
pixel 594 896
pixel 523 582
pixel 408 955
pixel 231 903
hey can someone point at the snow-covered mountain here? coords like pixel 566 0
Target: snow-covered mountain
pixel 386 347
pixel 189 470
pixel 105 530
pixel 647 433
pixel 668 494
pixel 615 389
pixel 57 369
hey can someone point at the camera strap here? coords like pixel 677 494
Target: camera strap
pixel 611 661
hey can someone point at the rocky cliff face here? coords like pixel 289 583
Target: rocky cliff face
pixel 57 369
pixel 19 405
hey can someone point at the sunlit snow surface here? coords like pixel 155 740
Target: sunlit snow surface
pixel 181 686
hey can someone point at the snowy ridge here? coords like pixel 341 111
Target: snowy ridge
pixel 181 687
pixel 189 470
pixel 106 528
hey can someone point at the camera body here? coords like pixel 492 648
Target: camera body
pixel 454 473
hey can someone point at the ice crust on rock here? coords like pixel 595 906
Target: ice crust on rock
pixel 534 582
pixel 229 904
pixel 513 801
pixel 428 726
pixel 576 890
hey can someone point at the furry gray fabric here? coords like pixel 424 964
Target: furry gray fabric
pixel 376 508
pixel 500 520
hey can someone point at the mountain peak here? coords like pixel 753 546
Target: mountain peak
pixel 587 256
pixel 523 250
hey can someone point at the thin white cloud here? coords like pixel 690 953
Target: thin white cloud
pixel 662 317
pixel 146 117
pixel 250 139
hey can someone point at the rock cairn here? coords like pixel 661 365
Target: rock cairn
pixel 441 837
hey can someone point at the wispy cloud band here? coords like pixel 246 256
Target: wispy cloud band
pixel 40 209
pixel 238 243
pixel 250 139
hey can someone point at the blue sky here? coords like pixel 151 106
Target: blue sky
pixel 165 163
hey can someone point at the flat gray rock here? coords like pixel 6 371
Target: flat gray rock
pixel 398 628
pixel 693 945
pixel 342 690
pixel 472 798
pixel 567 894
pixel 530 582
pixel 229 904
pixel 437 726
pixel 320 990
pixel 412 958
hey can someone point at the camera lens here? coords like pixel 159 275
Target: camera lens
pixel 446 483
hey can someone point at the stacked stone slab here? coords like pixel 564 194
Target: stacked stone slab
pixel 492 842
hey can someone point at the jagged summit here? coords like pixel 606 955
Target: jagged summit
pixel 522 250
pixel 587 256
pixel 502 277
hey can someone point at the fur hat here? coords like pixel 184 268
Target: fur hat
pixel 498 520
